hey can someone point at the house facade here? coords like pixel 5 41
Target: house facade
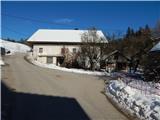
pixel 48 46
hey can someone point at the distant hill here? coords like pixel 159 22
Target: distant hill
pixel 14 47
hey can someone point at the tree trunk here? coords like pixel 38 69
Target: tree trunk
pixel 136 66
pixel 92 66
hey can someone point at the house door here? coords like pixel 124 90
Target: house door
pixel 49 60
pixel 60 60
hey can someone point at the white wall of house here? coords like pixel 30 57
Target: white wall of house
pixel 42 59
pixel 50 50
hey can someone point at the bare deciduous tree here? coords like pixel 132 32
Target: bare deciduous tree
pixel 91 50
pixel 67 57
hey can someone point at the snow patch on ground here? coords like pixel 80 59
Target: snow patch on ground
pixel 52 66
pixel 145 107
pixel 14 47
pixel 1 62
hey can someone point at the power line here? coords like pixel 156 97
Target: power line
pixel 14 31
pixel 33 20
pixel 118 32
pixel 49 22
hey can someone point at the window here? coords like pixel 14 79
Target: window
pixel 74 50
pixel 49 60
pixel 40 50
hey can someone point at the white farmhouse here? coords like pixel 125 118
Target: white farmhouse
pixel 48 44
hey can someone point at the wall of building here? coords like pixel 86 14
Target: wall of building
pixel 42 59
pixel 50 50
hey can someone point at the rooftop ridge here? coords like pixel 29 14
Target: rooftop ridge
pixel 60 35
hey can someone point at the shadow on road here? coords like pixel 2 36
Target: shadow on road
pixel 25 106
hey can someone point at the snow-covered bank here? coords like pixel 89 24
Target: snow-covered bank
pixel 1 62
pixel 52 66
pixel 14 47
pixel 136 81
pixel 145 107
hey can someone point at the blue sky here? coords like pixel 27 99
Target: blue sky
pixel 22 19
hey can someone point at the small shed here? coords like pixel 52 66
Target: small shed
pixel 152 68
pixel 117 61
pixel 156 48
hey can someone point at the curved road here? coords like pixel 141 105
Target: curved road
pixel 45 94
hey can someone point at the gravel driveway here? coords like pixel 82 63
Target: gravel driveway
pixel 45 94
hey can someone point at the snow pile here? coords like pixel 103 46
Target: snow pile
pixel 145 107
pixel 135 80
pixel 14 47
pixel 52 66
pixel 1 62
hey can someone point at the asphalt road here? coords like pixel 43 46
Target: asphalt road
pixel 35 93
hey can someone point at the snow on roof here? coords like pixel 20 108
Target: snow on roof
pixel 156 47
pixel 50 35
